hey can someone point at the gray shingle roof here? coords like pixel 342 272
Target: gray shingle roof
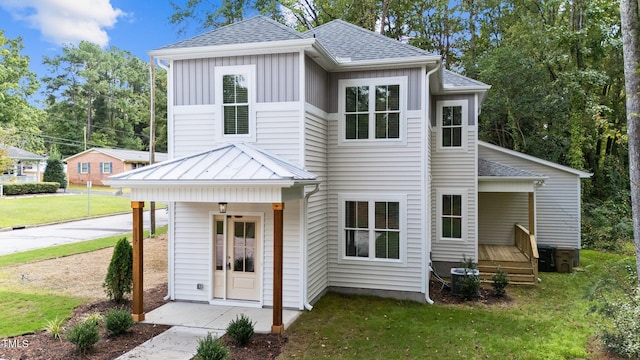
pixel 491 168
pixel 453 79
pixel 348 41
pixel 19 154
pixel 255 29
pixel 133 155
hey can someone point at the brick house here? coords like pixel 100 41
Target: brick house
pixel 97 164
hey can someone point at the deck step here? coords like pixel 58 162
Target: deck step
pixel 507 269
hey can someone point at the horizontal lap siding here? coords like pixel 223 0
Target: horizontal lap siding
pixel 192 251
pixel 193 129
pixel 557 202
pixel 456 170
pixel 378 170
pixel 497 215
pixel 316 162
pixel 278 132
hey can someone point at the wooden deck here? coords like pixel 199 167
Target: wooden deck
pixel 510 259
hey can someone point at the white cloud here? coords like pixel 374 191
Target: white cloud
pixel 67 21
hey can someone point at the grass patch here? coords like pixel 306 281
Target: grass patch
pixel 67 249
pixel 23 313
pixel 549 321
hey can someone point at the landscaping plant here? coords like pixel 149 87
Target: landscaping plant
pixel 211 349
pixel 469 283
pixel 118 321
pixel 54 327
pixel 54 172
pixel 500 282
pixel 241 329
pixel 119 277
pixel 83 335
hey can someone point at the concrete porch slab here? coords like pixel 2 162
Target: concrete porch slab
pixel 215 317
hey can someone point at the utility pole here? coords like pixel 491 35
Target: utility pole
pixel 152 136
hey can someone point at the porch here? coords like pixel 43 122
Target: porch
pixel 519 261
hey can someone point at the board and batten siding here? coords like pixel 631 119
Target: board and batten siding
pixel 498 212
pixel 278 129
pixel 415 77
pixel 316 161
pixel 557 201
pixel 192 244
pixel 316 85
pixel 378 170
pixel 277 78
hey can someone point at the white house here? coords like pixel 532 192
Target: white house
pixel 335 159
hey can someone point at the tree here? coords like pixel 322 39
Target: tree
pixel 119 279
pixel 629 15
pixel 54 171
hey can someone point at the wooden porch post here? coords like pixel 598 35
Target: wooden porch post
pixel 138 309
pixel 532 213
pixel 277 327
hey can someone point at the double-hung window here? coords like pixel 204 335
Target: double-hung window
pixel 452 121
pixel 106 168
pixel 372 109
pixel 373 229
pixel 451 214
pixel 84 168
pixel 235 95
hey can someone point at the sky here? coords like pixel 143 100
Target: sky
pixel 46 25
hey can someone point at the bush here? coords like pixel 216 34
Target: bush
pixel 119 277
pixel 469 283
pixel 622 338
pixel 30 188
pixel 55 173
pixel 500 281
pixel 84 335
pixel 54 327
pixel 607 225
pixel 211 349
pixel 240 329
pixel 118 321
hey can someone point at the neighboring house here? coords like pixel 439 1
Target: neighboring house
pixel 335 159
pixel 26 166
pixel 97 164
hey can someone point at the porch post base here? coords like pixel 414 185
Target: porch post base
pixel 138 317
pixel 277 329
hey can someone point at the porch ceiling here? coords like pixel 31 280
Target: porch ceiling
pixel 230 173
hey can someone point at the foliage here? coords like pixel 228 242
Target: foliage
pixel 500 281
pixel 211 349
pixel 607 225
pixel 241 329
pixel 55 172
pixel 30 188
pixel 119 277
pixel 55 327
pixel 118 321
pixel 83 335
pixel 95 318
pixel 469 283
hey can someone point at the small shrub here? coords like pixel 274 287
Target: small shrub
pixel 118 321
pixel 211 349
pixel 500 282
pixel 119 277
pixel 241 329
pixel 54 327
pixel 622 338
pixel 83 335
pixel 469 283
pixel 95 318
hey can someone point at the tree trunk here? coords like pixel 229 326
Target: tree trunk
pixel 629 16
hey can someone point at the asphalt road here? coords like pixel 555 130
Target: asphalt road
pixel 65 233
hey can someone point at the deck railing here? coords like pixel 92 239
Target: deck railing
pixel 526 242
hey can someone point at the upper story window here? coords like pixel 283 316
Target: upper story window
pixel 235 95
pixel 372 109
pixel 452 122
pixel 84 168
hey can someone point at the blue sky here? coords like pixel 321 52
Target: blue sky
pixel 45 25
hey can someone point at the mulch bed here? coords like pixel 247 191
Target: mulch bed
pixel 442 295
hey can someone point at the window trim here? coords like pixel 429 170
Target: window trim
pixel 81 170
pixel 249 71
pixel 465 216
pixel 465 124
pixel 103 166
pixel 372 82
pixel 372 199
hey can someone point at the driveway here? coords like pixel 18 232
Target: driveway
pixel 74 231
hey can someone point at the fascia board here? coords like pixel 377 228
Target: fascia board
pixel 511 178
pixel 206 183
pixel 269 47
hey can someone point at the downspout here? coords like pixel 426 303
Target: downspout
pixel 306 216
pixel 427 176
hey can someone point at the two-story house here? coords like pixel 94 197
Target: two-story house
pixel 334 159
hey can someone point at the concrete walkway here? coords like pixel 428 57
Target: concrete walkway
pixel 194 321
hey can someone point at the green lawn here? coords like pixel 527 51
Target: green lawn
pixel 549 321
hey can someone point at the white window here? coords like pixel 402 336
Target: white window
pixel 451 214
pixel 84 168
pixel 106 168
pixel 373 228
pixel 452 123
pixel 235 96
pixel 372 110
